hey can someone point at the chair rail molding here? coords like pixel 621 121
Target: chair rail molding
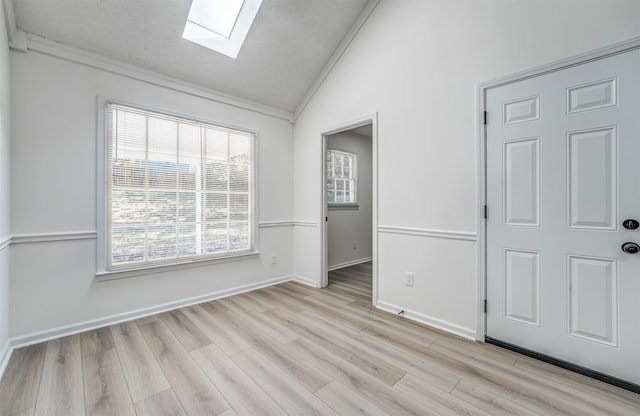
pixel 53 237
pixel 311 224
pixel 5 242
pixel 427 232
pixel 274 224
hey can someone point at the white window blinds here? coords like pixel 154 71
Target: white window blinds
pixel 176 189
pixel 341 177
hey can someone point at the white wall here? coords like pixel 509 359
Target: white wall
pixel 53 176
pixel 417 63
pixel 4 187
pixel 347 226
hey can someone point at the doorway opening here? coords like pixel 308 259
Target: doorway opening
pixel 349 202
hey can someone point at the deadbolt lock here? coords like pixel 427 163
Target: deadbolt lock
pixel 630 248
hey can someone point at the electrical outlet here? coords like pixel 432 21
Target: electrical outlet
pixel 409 278
pixel 355 245
pixel 274 259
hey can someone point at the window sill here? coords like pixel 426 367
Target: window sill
pixel 344 207
pixel 167 267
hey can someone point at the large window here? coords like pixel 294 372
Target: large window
pixel 341 179
pixel 176 189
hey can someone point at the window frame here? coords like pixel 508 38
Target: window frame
pixel 344 206
pixel 103 272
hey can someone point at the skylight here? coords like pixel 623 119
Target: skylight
pixel 219 16
pixel 220 25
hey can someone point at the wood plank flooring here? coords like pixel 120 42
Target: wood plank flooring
pixel 292 350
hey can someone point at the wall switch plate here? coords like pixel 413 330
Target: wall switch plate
pixel 355 245
pixel 409 278
pixel 274 259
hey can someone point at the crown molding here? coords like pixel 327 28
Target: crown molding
pixel 47 47
pixel 21 41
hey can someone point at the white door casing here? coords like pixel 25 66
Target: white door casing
pixel 562 174
pixel 373 120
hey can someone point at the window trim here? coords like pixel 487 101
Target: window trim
pixel 102 272
pixel 346 206
pixel 343 206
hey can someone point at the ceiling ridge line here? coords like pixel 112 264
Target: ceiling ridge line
pixel 9 18
pixel 69 53
pixel 335 57
pixel 16 38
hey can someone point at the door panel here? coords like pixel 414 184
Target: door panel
pixel 521 182
pixel 592 197
pixel 519 111
pixel 593 299
pixel 522 286
pixel 592 96
pixel 563 173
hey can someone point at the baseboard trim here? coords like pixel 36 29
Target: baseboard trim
pixel 452 328
pixel 305 281
pixel 5 354
pixel 62 331
pixel 567 365
pixel 349 263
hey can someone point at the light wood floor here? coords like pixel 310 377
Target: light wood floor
pixel 291 350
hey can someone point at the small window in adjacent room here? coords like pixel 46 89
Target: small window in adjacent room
pixel 341 180
pixel 175 190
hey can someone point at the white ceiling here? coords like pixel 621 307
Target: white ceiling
pixel 289 44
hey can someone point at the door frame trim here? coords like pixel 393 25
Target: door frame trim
pixel 373 120
pixel 481 186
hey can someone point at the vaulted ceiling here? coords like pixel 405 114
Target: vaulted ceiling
pixel 288 48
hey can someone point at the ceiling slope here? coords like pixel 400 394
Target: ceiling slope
pixel 288 51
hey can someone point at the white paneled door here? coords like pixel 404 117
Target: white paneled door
pixel 563 176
